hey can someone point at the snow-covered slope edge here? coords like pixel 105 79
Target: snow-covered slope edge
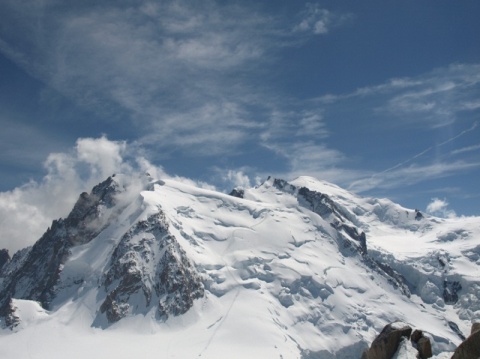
pixel 300 269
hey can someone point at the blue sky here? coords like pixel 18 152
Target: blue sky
pixel 382 98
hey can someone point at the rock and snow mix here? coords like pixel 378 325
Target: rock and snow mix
pixel 300 269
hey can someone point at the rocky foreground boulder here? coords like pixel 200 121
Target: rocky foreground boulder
pixel 397 341
pixel 470 348
pixel 387 342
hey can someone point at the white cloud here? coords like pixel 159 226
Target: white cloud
pixel 285 124
pixel 308 157
pixel 410 175
pixel 27 211
pixel 421 95
pixel 438 97
pixel 237 178
pixel 434 99
pixel 438 207
pixel 319 21
pixel 312 124
pixel 104 157
pixel 211 129
pixel 159 68
pixel 466 149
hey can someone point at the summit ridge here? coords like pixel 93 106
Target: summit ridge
pixel 290 269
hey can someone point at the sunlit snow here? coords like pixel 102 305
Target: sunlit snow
pixel 277 282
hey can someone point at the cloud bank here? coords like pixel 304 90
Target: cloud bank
pixel 438 207
pixel 27 211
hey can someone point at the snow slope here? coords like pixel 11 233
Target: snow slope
pixel 283 277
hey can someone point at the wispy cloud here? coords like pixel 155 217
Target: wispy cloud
pixel 150 63
pixel 466 149
pixel 410 102
pixel 297 137
pixel 438 207
pixel 412 174
pixel 312 124
pixel 174 73
pixel 211 129
pixel 434 99
pixel 436 146
pixel 180 77
pixel 319 21
pixel 308 157
pixel 67 174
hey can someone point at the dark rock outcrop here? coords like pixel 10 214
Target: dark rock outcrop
pixel 148 267
pixel 349 236
pixel 475 328
pixel 7 312
pixel 4 258
pixel 418 215
pixel 283 185
pixel 237 192
pixel 33 273
pixel 424 348
pixel 149 264
pixel 386 343
pixel 422 343
pixel 416 335
pixel 357 235
pixel 396 280
pixel 319 203
pixel 351 239
pixel 470 348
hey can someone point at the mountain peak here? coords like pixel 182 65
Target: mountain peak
pixel 310 268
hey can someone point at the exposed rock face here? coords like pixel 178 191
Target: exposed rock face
pixel 405 350
pixel 33 273
pixel 422 343
pixel 4 258
pixel 149 267
pixel 350 238
pixel 12 265
pixel 470 348
pixel 319 203
pixel 386 343
pixel 416 335
pixel 8 313
pixel 475 328
pixel 424 348
pixel 36 277
pixel 237 192
pixel 418 215
pixel 357 235
pixel 87 217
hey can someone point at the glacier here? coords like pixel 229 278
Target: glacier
pixel 297 269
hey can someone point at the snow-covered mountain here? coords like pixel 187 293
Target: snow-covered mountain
pixel 300 269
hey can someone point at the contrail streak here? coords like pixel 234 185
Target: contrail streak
pixel 475 125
